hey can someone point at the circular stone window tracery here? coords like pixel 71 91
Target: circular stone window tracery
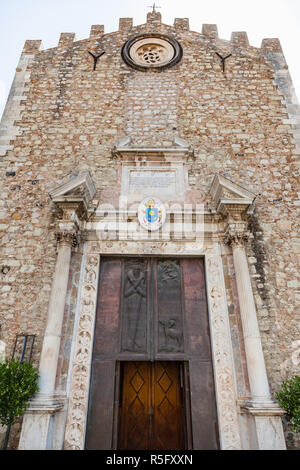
pixel 152 51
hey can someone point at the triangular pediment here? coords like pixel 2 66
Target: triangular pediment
pixel 225 191
pixel 80 186
pixel 125 148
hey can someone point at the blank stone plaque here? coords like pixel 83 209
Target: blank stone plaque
pixel 164 182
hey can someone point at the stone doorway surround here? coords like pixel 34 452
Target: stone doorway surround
pixel 220 334
pixel 227 225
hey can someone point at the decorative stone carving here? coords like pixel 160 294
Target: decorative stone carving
pixel 220 337
pixel 70 238
pixel 79 388
pixel 236 234
pixel 228 195
pixel 221 346
pixel 81 185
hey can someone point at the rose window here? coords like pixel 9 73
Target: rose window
pixel 148 51
pixel 151 54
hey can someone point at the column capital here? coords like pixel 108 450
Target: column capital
pixel 67 231
pixel 68 237
pixel 236 234
pixel 73 201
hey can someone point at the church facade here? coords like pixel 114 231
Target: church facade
pixel 150 239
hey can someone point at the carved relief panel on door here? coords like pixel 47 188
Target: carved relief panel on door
pixel 169 307
pixel 134 306
pixel 151 308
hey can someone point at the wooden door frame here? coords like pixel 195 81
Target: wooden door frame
pixel 186 397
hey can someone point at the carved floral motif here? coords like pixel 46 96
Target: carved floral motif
pixel 70 238
pixel 224 374
pixel 75 429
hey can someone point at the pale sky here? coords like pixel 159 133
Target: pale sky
pixel 46 19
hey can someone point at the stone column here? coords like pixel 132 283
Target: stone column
pixel 51 344
pixel 265 411
pixel 38 423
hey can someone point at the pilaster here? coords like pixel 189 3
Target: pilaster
pixel 71 210
pixel 265 411
pixel 234 204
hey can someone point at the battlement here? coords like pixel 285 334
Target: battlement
pixel 154 19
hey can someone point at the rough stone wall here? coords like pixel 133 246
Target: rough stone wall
pixel 69 118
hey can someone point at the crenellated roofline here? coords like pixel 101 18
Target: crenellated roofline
pixel 239 39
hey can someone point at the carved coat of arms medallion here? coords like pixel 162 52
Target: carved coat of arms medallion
pixel 151 213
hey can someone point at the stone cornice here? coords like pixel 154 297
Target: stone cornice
pixel 181 149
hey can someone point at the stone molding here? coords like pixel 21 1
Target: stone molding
pixel 181 150
pixel 45 405
pixel 80 376
pixel 270 409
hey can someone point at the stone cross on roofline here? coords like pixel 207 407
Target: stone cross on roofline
pixel 153 7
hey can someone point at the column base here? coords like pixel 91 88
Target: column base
pixel 38 423
pixel 269 430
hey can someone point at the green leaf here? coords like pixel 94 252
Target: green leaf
pixel 18 383
pixel 289 399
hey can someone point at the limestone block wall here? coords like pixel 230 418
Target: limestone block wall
pixel 63 117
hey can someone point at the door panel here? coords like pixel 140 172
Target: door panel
pixel 151 311
pixel 134 303
pixel 168 305
pixel 195 306
pixel 107 318
pixel 100 417
pixel 134 419
pixel 151 415
pixel 204 412
pixel 167 398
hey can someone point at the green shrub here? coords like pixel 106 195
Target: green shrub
pixel 18 383
pixel 289 399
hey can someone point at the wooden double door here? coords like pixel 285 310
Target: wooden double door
pixel 152 382
pixel 152 406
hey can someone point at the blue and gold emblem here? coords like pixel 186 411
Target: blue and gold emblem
pixel 151 213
